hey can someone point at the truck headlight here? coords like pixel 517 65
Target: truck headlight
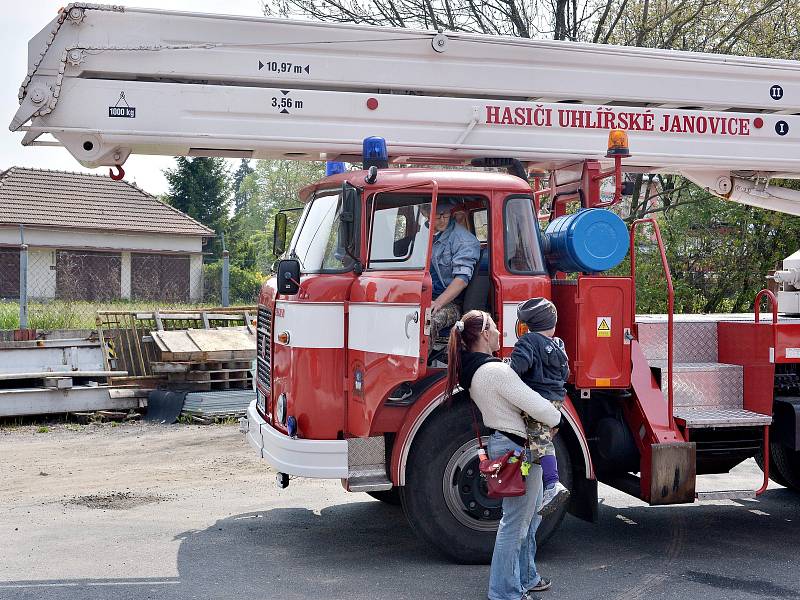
pixel 280 409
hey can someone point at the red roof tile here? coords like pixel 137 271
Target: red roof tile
pixel 39 197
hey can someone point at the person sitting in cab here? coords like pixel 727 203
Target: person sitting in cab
pixel 454 256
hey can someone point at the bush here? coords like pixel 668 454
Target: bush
pixel 244 285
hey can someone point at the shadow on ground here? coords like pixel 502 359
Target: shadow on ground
pixel 366 550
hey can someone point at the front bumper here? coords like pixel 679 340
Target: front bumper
pixel 322 459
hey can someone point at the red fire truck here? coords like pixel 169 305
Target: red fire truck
pixel 350 377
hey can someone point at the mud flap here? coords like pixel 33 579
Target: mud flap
pixel 673 473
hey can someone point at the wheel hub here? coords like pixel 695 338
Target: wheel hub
pixel 465 491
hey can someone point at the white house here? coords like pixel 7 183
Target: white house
pixel 92 238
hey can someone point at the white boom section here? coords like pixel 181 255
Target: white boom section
pixel 108 81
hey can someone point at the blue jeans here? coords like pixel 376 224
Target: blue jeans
pixel 513 569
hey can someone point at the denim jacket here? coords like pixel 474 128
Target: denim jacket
pixel 455 253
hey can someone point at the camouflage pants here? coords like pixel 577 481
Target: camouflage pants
pixel 445 318
pixel 540 436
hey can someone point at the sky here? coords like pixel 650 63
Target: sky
pixel 22 21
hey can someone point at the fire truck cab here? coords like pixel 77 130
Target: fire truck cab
pixel 331 395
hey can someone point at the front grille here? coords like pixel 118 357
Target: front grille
pixel 264 347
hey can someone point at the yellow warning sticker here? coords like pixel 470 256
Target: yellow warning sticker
pixel 603 326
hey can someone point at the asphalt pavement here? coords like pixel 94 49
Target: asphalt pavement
pixel 240 537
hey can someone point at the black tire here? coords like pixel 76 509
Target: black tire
pixel 787 465
pixel 774 474
pixel 391 496
pixel 444 497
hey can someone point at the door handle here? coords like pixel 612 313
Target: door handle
pixel 412 317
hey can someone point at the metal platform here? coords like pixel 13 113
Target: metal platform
pixel 727 495
pixel 40 401
pixel 704 384
pixel 695 341
pixel 56 356
pixel 695 418
pixel 221 403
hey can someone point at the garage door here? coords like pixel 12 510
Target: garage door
pixel 9 273
pixel 88 275
pixel 160 277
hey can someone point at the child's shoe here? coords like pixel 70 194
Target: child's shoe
pixel 554 496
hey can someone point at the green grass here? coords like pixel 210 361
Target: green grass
pixel 43 429
pixel 61 314
pixel 9 315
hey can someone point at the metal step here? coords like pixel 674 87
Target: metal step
pixel 369 480
pixel 366 465
pixel 727 495
pixel 703 384
pixel 702 417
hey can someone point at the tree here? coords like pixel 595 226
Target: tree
pixel 727 26
pixel 754 28
pixel 272 186
pixel 200 188
pixel 240 195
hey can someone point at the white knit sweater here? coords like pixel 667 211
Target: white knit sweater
pixel 502 397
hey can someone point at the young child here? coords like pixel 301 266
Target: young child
pixel 540 360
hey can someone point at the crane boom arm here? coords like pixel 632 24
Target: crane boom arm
pixel 110 81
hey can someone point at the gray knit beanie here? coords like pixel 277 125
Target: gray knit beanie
pixel 539 314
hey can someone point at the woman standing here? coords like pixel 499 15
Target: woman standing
pixel 501 397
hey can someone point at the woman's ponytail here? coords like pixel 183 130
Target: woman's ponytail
pixel 462 336
pixel 455 346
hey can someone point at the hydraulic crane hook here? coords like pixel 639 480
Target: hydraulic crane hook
pixel 118 175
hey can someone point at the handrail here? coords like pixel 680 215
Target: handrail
pixel 757 308
pixel 670 302
pixel 765 450
pixel 774 302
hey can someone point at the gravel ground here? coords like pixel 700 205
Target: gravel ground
pixel 153 511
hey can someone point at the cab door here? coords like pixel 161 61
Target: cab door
pixel 388 311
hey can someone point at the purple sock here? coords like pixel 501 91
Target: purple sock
pixel 549 470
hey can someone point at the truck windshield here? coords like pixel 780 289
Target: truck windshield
pixel 317 241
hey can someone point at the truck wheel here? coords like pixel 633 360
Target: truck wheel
pixel 445 499
pixel 787 464
pixel 391 496
pixel 774 474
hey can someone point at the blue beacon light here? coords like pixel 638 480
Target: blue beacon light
pixel 374 153
pixel 333 168
pixel 291 427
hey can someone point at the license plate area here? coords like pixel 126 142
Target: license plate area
pixel 261 403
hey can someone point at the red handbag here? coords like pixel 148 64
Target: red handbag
pixel 503 475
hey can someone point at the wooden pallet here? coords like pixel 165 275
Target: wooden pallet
pixel 208 376
pixel 202 345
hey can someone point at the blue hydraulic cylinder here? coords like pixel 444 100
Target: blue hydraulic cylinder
pixel 591 240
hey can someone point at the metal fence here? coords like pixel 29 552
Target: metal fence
pixel 47 288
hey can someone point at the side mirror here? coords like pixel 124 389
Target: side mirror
pixel 288 276
pixel 279 234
